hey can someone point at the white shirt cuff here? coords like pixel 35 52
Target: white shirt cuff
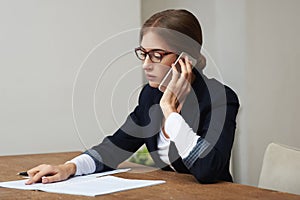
pixel 84 164
pixel 181 134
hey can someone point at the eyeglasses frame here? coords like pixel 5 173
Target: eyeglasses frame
pixel 147 53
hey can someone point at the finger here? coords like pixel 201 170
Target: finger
pixel 185 81
pixel 174 68
pixel 189 68
pixel 184 71
pixel 174 86
pixel 51 179
pixel 34 179
pixel 182 81
pixel 188 64
pixel 33 171
pixel 185 88
pixel 174 79
pixel 37 173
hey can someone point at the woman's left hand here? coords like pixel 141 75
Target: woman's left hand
pixel 178 88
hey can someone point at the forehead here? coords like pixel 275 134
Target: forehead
pixel 151 40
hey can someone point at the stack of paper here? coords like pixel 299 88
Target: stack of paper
pixel 90 185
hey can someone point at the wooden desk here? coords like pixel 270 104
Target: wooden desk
pixel 177 186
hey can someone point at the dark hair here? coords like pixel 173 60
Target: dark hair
pixel 180 29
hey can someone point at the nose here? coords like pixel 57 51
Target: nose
pixel 147 65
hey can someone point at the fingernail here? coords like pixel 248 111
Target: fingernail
pixel 44 180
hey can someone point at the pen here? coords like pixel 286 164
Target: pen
pixel 22 174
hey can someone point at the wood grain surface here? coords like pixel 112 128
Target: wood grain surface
pixel 177 186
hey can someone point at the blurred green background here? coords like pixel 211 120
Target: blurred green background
pixel 142 156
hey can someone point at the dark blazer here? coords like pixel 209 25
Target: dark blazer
pixel 210 110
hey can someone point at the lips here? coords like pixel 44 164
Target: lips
pixel 150 77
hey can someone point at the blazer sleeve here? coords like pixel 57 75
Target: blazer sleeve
pixel 213 164
pixel 209 159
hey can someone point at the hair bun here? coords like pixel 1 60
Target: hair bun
pixel 201 61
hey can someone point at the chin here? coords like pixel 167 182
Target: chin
pixel 153 84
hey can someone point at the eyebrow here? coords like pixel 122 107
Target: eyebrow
pixel 154 49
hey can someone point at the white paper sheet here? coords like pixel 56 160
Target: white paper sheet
pixel 90 185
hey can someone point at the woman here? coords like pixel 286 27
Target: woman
pixel 187 127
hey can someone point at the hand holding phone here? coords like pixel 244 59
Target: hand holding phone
pixel 165 81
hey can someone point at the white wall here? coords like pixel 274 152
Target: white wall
pixel 42 45
pixel 255 45
pixel 273 73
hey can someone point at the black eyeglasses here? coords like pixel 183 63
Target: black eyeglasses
pixel 155 55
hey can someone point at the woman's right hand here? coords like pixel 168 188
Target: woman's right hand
pixel 178 88
pixel 50 173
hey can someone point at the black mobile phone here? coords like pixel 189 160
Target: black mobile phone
pixel 167 78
